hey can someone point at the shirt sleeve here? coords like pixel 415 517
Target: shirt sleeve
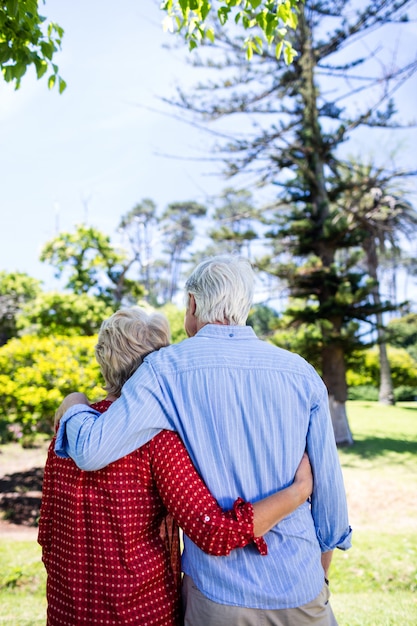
pixel 328 501
pixel 187 498
pixel 94 440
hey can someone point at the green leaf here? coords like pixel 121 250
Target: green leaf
pixel 41 68
pixel 8 73
pixel 12 6
pixel 223 15
pixel 258 44
pixel 5 53
pixel 51 81
pixel 205 9
pixel 278 49
pixel 210 35
pixel 289 53
pixel 261 20
pixel 62 85
pixel 47 49
pixel 32 7
pixel 184 7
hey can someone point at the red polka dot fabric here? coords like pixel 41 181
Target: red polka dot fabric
pixel 110 538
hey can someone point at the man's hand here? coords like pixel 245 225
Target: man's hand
pixel 326 559
pixel 69 401
pixel 304 477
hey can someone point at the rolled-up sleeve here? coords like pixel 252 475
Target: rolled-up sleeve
pixel 70 427
pixel 328 501
pixel 187 498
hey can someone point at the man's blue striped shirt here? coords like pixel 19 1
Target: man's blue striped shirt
pixel 246 411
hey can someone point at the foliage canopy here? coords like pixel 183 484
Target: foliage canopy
pixel 25 40
pixel 265 21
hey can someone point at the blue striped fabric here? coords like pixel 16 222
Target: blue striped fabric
pixel 246 410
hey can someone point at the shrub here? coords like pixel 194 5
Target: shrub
pixel 363 392
pixel 405 393
pixel 36 374
pixel 367 373
pixel 175 318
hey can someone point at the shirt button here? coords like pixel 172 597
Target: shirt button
pixel 207 518
pixel 231 335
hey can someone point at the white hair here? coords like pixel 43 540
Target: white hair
pixel 223 288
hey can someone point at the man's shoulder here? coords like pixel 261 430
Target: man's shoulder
pixel 168 353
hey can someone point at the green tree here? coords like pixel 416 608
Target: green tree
pixel 298 125
pixel 235 218
pixel 16 289
pixel 139 227
pixel 402 333
pixel 92 265
pixel 265 21
pixel 27 40
pixel 177 234
pixel 376 202
pixel 63 314
pixel 264 320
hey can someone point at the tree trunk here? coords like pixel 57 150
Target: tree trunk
pixel 342 433
pixel 334 376
pixel 333 359
pixel 386 391
pixel 386 388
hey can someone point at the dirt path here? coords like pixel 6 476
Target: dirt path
pixel 21 474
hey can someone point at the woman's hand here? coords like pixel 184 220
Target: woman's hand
pixel 271 510
pixel 303 479
pixel 69 401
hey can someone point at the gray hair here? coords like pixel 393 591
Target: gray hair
pixel 124 340
pixel 223 289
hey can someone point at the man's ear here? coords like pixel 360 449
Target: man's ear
pixel 191 304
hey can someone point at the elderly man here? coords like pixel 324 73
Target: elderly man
pixel 246 411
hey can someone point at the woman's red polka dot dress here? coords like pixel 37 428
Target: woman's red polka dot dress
pixel 110 549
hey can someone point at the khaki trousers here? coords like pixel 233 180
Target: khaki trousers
pixel 200 611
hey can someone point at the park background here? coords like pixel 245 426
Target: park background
pixel 85 159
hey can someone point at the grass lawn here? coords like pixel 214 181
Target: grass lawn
pixel 373 584
pixel 22 584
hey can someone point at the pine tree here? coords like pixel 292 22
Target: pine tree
pixel 301 115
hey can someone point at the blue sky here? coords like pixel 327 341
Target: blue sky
pixel 92 152
pixel 95 151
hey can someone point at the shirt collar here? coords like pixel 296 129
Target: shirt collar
pixel 226 331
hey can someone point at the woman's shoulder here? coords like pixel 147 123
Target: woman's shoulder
pixel 166 442
pixel 101 406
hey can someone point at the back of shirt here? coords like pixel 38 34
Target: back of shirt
pixel 246 411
